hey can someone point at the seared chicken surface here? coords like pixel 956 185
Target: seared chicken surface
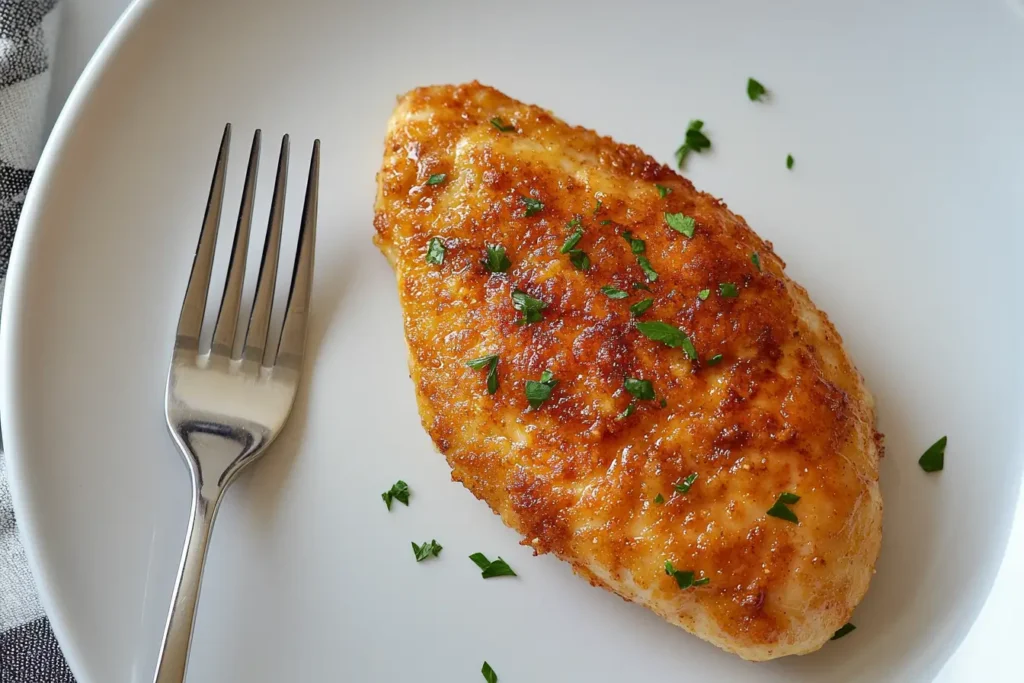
pixel 659 382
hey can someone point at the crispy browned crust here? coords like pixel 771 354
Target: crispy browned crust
pixel 785 410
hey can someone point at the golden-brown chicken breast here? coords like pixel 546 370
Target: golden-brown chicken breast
pixel 623 371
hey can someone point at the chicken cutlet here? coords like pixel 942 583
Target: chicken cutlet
pixel 620 367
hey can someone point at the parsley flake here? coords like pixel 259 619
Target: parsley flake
pixel 696 141
pixel 489 569
pixel 663 191
pixel 422 552
pixel 684 579
pixel 713 360
pixel 756 260
pixel 789 161
pixel 489 674
pixel 500 124
pixel 614 292
pixel 491 363
pixel 645 265
pixel 703 294
pixel 571 241
pixel 636 245
pixel 685 485
pixel 531 308
pixel 659 499
pixel 539 391
pixel 497 261
pixel 780 510
pixel 630 409
pixel 532 205
pixel 755 91
pixel 845 629
pixel 728 290
pixel 435 251
pixel 934 458
pixel 579 259
pixel 641 388
pixel 641 306
pixel 399 491
pixel 669 336
pixel 436 179
pixel 681 223
pixel 640 285
pixel 598 207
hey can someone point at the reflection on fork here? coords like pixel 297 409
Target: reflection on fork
pixel 222 409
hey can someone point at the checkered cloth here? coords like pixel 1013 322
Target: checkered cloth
pixel 28 651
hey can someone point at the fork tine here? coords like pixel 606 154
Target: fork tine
pixel 296 315
pixel 227 318
pixel 190 321
pixel 259 320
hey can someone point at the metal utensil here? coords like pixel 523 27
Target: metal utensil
pixel 224 409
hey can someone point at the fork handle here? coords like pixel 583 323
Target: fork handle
pixel 173 659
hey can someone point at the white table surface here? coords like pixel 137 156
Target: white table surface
pixel 84 23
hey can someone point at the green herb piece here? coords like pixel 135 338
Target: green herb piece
pixel 489 674
pixel 630 409
pixel 663 403
pixel 573 223
pixel 422 552
pixel 598 207
pixel 713 360
pixel 684 485
pixel 606 222
pixel 399 491
pixel 641 306
pixel 636 245
pixel 645 265
pixel 663 191
pixel 491 363
pixel 681 223
pixel 489 569
pixel 702 582
pixel 696 141
pixel 843 630
pixel 579 259
pixel 539 391
pixel 497 261
pixel 755 91
pixel 934 458
pixel 781 511
pixel 703 294
pixel 572 240
pixel 640 285
pixel 532 205
pixel 614 292
pixel 500 124
pixel 789 164
pixel 669 336
pixel 659 499
pixel 684 579
pixel 436 179
pixel 641 388
pixel 435 251
pixel 728 290
pixel 531 308
pixel 756 260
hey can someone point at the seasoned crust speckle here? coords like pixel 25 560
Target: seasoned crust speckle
pixel 785 409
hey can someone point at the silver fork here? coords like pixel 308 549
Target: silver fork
pixel 224 409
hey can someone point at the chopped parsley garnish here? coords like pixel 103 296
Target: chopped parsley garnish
pixel 663 403
pixel 663 191
pixel 491 363
pixel 781 511
pixel 489 674
pixel 845 629
pixel 497 261
pixel 641 388
pixel 646 266
pixel 659 499
pixel 598 207
pixel 681 223
pixel 669 336
pixel 684 485
pixel 500 124
pixel 606 221
pixel 532 205
pixel 684 579
pixel 426 550
pixel 488 569
pixel 579 259
pixel 934 458
pixel 703 294
pixel 572 240
pixel 713 360
pixel 696 141
pixel 539 391
pixel 399 491
pixel 641 306
pixel 614 292
pixel 755 90
pixel 435 251
pixel 436 179
pixel 637 246
pixel 728 290
pixel 640 285
pixel 756 260
pixel 531 308
pixel 789 164
pixel 630 409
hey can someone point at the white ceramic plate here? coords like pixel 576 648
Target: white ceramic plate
pixel 901 216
